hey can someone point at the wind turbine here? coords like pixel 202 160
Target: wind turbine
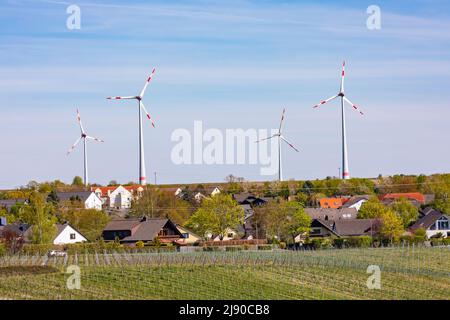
pixel 142 177
pixel 280 137
pixel 341 94
pixel 83 136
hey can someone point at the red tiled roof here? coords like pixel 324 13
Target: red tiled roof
pixel 334 203
pixel 408 195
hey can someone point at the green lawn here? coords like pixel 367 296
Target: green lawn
pixel 406 273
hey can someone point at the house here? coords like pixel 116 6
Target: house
pixel 248 198
pixel 118 197
pixel 344 227
pixel 189 237
pixel 9 203
pixel 434 222
pixel 66 234
pixel 355 202
pixel 334 203
pixel 230 234
pixel 88 199
pixel 144 229
pixel 415 198
pixel 331 214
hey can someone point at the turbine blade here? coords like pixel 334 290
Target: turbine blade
pixel 148 115
pixel 290 144
pixel 79 122
pixel 342 76
pixel 74 145
pixel 325 101
pixel 282 119
pixel 121 98
pixel 147 82
pixel 95 139
pixel 266 138
pixel 354 106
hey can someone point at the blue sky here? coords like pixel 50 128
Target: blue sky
pixel 231 64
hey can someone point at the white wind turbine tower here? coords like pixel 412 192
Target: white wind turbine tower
pixel 345 169
pixel 142 176
pixel 280 137
pixel 83 136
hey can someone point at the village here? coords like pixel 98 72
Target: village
pixel 235 215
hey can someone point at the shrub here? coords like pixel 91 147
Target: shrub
pixel 211 249
pixel 139 244
pixel 321 243
pixel 446 241
pixel 264 247
pixel 234 248
pixel 359 242
pixel 2 249
pixel 282 245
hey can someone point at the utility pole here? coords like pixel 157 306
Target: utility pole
pixel 155 177
pixel 339 170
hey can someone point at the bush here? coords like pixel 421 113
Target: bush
pixel 2 249
pixel 139 244
pixel 37 249
pixel 234 248
pixel 211 249
pixel 321 243
pixel 264 247
pixel 359 242
pixel 282 245
pixel 446 241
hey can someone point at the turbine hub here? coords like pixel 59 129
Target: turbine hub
pixel 341 94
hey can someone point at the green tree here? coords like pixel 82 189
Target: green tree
pixel 77 181
pixel 371 209
pixel 216 215
pixel 391 225
pixel 406 211
pixel 89 222
pixel 39 214
pixel 284 219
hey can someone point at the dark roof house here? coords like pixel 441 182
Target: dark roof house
pixel 145 229
pixel 345 227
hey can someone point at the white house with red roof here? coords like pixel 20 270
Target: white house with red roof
pixel 118 197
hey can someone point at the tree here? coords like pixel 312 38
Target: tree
pixel 406 211
pixel 89 222
pixel 53 197
pixel 284 191
pixel 39 214
pixel 12 241
pixel 371 209
pixel 155 203
pixel 113 183
pixel 391 225
pixel 283 219
pixel 77 181
pixel 216 215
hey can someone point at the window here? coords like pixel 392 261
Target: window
pixel 186 235
pixel 72 236
pixel 442 224
pixel 230 235
pixel 315 231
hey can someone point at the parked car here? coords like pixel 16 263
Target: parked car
pixel 56 253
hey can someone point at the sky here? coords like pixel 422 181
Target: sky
pixel 230 64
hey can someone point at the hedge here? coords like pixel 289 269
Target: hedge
pixel 265 247
pixel 234 248
pixel 209 249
